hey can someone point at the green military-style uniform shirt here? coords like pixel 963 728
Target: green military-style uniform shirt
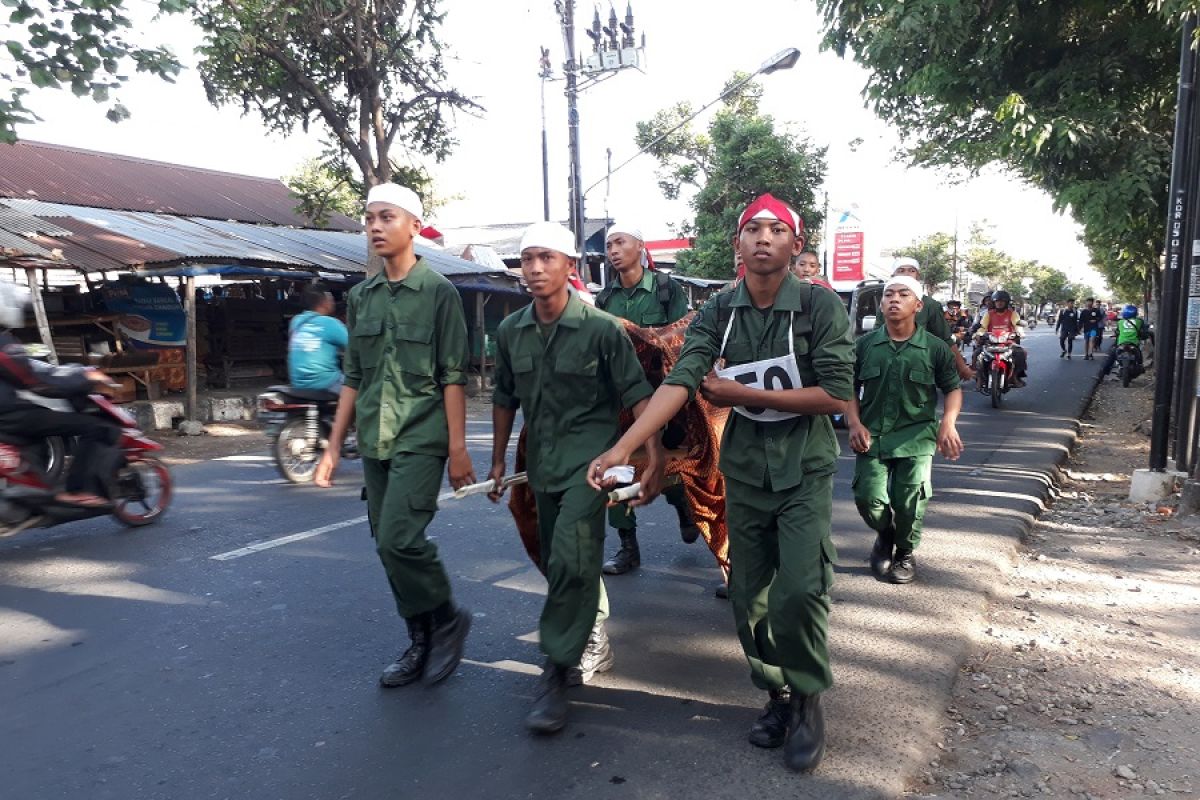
pixel 641 305
pixel 572 381
pixel 408 340
pixel 932 317
pixel 897 397
pixel 774 454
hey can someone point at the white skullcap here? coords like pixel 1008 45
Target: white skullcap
pixel 907 282
pixel 396 195
pixel 550 235
pixel 629 230
pixel 905 262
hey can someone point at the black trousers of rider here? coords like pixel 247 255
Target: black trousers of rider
pixel 1112 357
pixel 93 460
pixel 1066 341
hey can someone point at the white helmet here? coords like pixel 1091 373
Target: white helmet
pixel 14 299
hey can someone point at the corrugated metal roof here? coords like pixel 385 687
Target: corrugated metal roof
pixel 93 249
pixel 35 170
pixel 21 245
pixel 277 240
pixel 15 221
pixel 195 242
pixel 354 246
pixel 505 237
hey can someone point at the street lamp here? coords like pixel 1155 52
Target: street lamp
pixel 784 59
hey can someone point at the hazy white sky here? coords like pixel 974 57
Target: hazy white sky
pixel 497 167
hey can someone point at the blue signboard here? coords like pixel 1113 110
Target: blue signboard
pixel 151 315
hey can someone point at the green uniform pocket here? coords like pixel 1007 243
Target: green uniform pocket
pixel 415 348
pixel 368 341
pixel 829 559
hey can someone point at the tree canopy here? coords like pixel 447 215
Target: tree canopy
pixel 84 45
pixel 1077 97
pixel 740 156
pixel 935 254
pixel 372 72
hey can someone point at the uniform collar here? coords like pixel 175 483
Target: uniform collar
pixel 786 299
pixel 919 339
pixel 414 280
pixel 570 317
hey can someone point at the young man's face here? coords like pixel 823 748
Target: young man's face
pixel 391 230
pixel 545 271
pixel 899 303
pixel 1091 303
pixel 767 246
pixel 1070 304
pixel 624 252
pixel 808 266
pixel 907 271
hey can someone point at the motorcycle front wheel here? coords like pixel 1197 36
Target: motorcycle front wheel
pixel 144 492
pixel 997 390
pixel 296 460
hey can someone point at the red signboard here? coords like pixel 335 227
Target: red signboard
pixel 848 257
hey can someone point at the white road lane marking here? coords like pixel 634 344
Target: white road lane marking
pixel 258 547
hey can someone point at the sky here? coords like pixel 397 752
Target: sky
pixel 495 173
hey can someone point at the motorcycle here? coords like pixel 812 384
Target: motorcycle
pixel 298 423
pixel 1129 366
pixel 30 468
pixel 996 371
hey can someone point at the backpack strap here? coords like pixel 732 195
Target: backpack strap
pixel 604 295
pixel 664 288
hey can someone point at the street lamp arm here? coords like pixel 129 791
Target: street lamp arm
pixel 674 128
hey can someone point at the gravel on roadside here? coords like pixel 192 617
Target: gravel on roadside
pixel 1085 681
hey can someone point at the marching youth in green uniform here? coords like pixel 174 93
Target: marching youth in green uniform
pixel 931 316
pixel 405 376
pixel 648 299
pixel 785 362
pixel 894 427
pixel 572 368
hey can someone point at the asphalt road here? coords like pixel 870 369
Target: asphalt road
pixel 135 665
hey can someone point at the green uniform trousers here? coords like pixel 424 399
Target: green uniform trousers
pixel 893 493
pixel 622 517
pixel 781 557
pixel 571 540
pixel 401 501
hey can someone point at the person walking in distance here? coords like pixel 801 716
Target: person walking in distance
pixel 648 299
pixel 894 427
pixel 1067 328
pixel 404 384
pixel 1091 320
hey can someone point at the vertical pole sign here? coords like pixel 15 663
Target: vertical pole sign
pixel 849 253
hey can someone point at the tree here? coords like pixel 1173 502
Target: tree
pixel 935 254
pixel 1049 286
pixel 1077 97
pixel 81 44
pixel 741 156
pixel 372 73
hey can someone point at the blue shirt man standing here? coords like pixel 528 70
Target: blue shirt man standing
pixel 315 341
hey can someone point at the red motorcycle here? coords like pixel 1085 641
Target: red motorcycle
pixel 995 371
pixel 141 486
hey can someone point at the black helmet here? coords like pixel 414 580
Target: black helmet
pixel 1002 297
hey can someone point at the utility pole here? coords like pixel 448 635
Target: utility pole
pixel 1177 217
pixel 954 263
pixel 571 70
pixel 545 73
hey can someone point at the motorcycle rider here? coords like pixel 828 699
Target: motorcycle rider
pixel 95 454
pixel 1067 328
pixel 1002 318
pixel 1131 329
pixel 315 339
pixel 957 321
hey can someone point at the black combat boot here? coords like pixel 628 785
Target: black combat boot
pixel 904 567
pixel 549 712
pixel 881 553
pixel 770 730
pixel 411 664
pixel 806 734
pixel 597 657
pixel 628 557
pixel 687 526
pixel 447 634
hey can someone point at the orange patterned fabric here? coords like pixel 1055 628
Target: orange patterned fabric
pixel 694 460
